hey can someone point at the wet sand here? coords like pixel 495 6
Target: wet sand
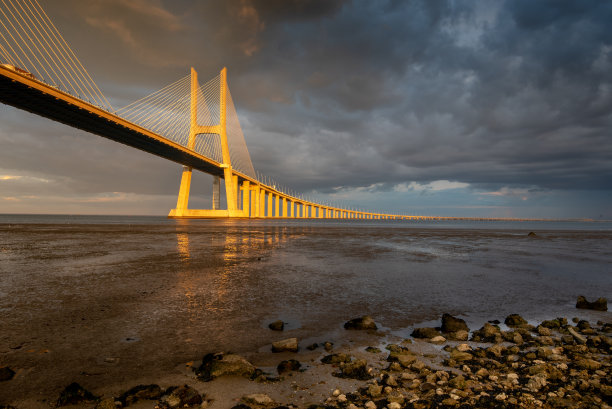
pixel 114 305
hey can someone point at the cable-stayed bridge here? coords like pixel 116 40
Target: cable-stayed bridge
pixel 193 124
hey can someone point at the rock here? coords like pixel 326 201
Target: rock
pixel 589 364
pixel 512 336
pixel 6 374
pixel 328 346
pixel 370 405
pixel 449 402
pixel 394 405
pixel 363 323
pixel 556 323
pixel 463 348
pixel 216 365
pixel 543 331
pixel 73 394
pixel 496 350
pixel 285 345
pixel 514 320
pixel 579 338
pixel 140 392
pixel 438 339
pixel 183 396
pixel 336 358
pixel 532 234
pixel 108 403
pixel 425 333
pixel 277 325
pixel 459 335
pixel 536 383
pixel 354 370
pixel 459 356
pixel 373 350
pixel 404 358
pixel 312 347
pixel 488 333
pixel 374 391
pixel 241 406
pixel 601 304
pixel 452 324
pixel 258 399
pixel 288 366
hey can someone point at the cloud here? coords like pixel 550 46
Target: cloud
pixel 436 185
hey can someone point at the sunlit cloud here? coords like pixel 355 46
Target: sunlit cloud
pixel 436 185
pixel 24 178
pixel 522 193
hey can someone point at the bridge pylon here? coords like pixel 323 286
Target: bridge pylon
pixel 231 180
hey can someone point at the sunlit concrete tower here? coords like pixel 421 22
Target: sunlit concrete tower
pixel 231 181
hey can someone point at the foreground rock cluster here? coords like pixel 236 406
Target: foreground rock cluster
pixel 553 365
pixel 556 364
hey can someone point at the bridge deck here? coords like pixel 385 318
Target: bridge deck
pixel 46 101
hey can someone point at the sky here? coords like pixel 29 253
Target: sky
pixel 453 108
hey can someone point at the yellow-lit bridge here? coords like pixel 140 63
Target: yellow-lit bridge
pixel 188 123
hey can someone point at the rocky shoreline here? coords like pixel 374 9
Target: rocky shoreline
pixel 555 364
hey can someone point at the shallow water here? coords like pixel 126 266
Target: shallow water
pixel 111 298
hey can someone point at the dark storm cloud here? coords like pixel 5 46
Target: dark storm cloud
pixel 358 93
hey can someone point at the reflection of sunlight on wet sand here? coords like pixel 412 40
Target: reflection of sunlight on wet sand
pixel 182 244
pixel 185 275
pixel 209 286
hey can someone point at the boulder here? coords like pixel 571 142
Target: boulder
pixel 288 366
pixel 354 370
pixel 601 304
pixel 460 356
pixel 425 333
pixel 285 345
pixel 488 333
pixel 437 339
pixel 458 336
pixel 336 358
pixel 515 320
pixel 452 324
pixel 277 325
pixel 182 396
pixel 220 364
pixel 402 356
pixel 140 392
pixel 364 323
pixel 74 394
pixel 532 234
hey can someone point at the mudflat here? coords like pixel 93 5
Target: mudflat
pixel 114 305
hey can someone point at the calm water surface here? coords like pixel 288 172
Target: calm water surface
pixel 114 296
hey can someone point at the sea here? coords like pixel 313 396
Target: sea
pixel 105 298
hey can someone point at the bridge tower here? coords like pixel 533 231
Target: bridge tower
pixel 231 180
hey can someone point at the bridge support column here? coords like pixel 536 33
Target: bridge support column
pixel 183 197
pixel 216 193
pixel 291 208
pixel 246 200
pixel 284 212
pixel 255 201
pixel 277 206
pixel 262 203
pixel 270 198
